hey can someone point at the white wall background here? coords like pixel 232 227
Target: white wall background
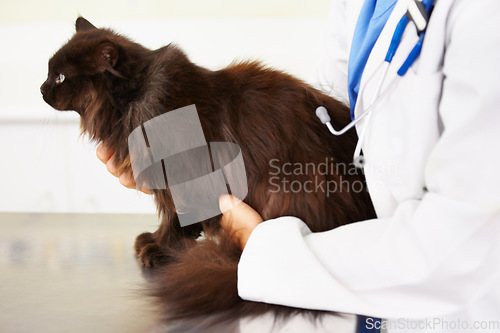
pixel 45 166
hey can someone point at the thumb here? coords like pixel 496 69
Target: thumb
pixel 238 218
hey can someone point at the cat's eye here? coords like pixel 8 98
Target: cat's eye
pixel 60 78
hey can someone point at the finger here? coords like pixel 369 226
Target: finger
pixel 104 153
pixel 228 202
pixel 112 167
pixel 238 219
pixel 145 190
pixel 236 213
pixel 127 180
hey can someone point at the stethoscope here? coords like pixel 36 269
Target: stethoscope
pixel 418 12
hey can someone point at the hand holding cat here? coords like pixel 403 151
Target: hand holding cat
pixel 238 218
pixel 107 156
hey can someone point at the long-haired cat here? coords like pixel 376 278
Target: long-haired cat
pixel 116 85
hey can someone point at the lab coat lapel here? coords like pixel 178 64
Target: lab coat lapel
pixel 372 74
pixel 353 8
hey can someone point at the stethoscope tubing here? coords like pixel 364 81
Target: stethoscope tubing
pixel 322 113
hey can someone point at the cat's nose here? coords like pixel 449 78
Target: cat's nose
pixel 44 89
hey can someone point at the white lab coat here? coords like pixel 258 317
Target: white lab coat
pixel 432 162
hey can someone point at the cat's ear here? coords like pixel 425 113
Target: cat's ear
pixel 82 24
pixel 106 55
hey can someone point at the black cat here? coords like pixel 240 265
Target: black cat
pixel 117 85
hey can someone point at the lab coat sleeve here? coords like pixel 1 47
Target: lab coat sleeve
pixel 434 255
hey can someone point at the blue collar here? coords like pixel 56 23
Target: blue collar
pixel 372 19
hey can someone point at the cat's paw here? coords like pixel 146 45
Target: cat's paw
pixel 148 252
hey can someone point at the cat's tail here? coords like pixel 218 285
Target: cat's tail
pixel 198 291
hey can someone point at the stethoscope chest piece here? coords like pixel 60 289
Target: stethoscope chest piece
pixel 359 161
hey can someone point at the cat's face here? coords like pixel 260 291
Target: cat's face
pixel 76 71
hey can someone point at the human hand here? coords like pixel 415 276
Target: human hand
pixel 125 176
pixel 238 218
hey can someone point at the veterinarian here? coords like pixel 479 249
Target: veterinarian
pixel 430 261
